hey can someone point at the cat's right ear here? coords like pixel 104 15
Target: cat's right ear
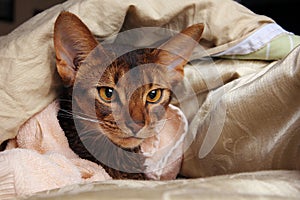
pixel 175 53
pixel 73 41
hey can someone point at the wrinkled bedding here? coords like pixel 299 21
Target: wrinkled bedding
pixel 243 118
pixel 256 185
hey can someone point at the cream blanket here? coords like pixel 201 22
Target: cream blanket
pixel 247 114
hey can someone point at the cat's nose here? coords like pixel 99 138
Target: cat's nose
pixel 135 127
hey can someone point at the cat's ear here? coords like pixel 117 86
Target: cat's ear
pixel 73 41
pixel 176 52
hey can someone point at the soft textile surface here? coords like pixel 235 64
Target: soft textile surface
pixel 267 185
pixel 275 50
pixel 27 71
pixel 246 117
pixel 249 124
pixel 40 159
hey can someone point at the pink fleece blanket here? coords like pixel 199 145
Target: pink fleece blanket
pixel 40 159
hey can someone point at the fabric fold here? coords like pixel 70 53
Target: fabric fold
pixel 28 50
pixel 7 185
pixel 40 159
pixel 249 124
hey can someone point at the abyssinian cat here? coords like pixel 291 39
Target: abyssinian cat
pixel 117 105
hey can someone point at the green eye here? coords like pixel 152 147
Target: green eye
pixel 154 96
pixel 106 93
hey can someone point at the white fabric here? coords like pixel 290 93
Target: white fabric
pixel 255 41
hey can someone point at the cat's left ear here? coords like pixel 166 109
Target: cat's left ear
pixel 176 52
pixel 73 41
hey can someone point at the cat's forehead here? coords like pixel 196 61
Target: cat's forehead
pixel 132 78
pixel 135 68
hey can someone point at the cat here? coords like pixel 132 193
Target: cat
pixel 117 104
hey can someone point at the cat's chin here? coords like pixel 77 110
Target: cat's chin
pixel 128 142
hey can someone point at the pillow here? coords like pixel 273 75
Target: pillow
pixel 276 49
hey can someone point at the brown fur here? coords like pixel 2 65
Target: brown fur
pixel 127 119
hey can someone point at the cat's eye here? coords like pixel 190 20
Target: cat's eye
pixel 154 96
pixel 106 93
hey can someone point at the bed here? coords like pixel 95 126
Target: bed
pixel 245 132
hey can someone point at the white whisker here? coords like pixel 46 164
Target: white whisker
pixel 80 116
pixel 78 113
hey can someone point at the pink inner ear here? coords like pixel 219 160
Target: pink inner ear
pixel 68 54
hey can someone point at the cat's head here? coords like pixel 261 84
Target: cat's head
pixel 129 93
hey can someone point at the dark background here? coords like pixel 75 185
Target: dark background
pixel 15 12
pixel 286 13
